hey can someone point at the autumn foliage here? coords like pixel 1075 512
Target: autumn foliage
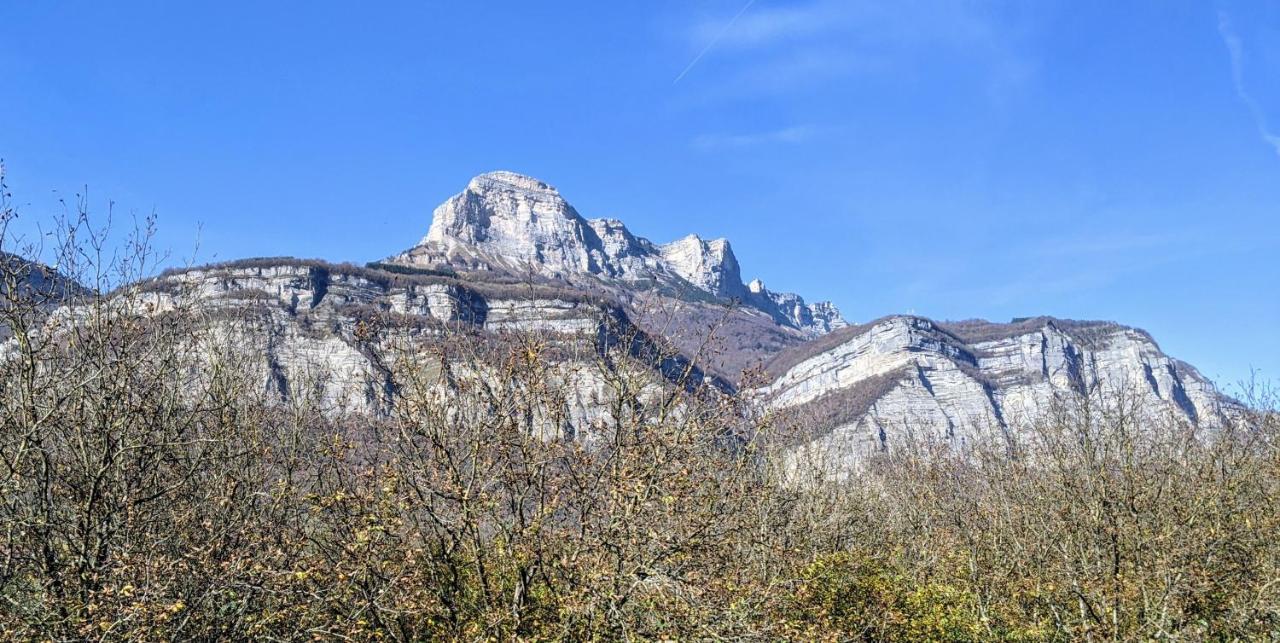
pixel 151 488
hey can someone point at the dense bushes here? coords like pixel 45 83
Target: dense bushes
pixel 151 489
pixel 859 595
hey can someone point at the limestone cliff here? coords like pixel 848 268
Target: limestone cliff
pixel 503 221
pixel 306 325
pixel 860 389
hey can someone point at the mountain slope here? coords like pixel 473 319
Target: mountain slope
pixel 329 330
pixel 858 389
pixel 34 280
pixel 30 290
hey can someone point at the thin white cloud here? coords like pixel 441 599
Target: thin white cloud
pixel 803 66
pixel 880 22
pixel 786 135
pixel 773 49
pixel 1235 47
pixel 1114 242
pixel 767 26
pixel 1039 285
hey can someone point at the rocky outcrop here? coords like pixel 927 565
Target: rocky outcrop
pixel 861 389
pixel 301 322
pixel 504 220
pixel 814 319
pixel 512 223
pixel 708 265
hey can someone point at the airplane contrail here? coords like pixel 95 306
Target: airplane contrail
pixel 1236 49
pixel 715 40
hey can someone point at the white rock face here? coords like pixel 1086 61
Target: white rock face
pixel 297 321
pixel 709 265
pixel 818 318
pixel 516 220
pixel 949 382
pixel 510 222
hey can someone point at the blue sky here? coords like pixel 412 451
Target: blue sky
pixel 1091 159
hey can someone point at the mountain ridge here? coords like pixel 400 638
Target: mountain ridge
pixel 865 388
pixel 512 222
pixel 508 253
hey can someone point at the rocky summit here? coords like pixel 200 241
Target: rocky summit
pixel 513 223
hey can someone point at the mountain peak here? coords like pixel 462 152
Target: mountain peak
pixel 509 221
pixel 709 265
pixel 505 179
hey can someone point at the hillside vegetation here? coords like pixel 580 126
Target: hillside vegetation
pixel 150 488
